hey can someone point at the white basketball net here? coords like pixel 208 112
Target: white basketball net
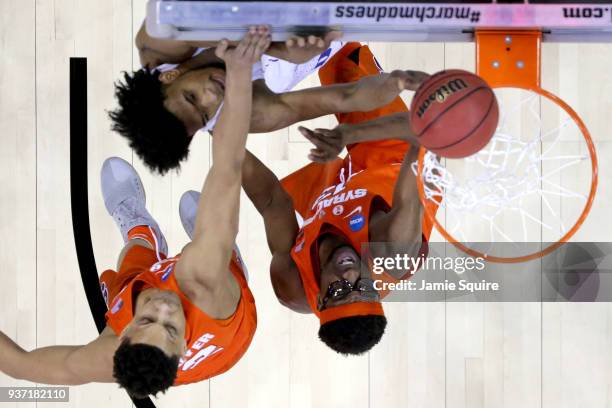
pixel 520 186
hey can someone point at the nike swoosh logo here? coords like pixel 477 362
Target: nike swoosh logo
pixel 356 210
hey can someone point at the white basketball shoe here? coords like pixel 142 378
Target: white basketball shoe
pixel 125 201
pixel 188 208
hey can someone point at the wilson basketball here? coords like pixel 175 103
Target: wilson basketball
pixel 454 113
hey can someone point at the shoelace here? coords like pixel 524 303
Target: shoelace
pixel 127 209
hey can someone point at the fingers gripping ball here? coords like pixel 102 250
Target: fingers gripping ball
pixel 454 113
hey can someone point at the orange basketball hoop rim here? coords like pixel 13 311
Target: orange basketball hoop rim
pixel 511 58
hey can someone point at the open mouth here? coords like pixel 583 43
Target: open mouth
pixel 345 256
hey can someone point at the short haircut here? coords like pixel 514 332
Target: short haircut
pixel 158 137
pixel 144 370
pixel 353 335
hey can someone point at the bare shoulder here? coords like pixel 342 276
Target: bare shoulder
pixel 106 343
pixel 108 332
pixel 287 283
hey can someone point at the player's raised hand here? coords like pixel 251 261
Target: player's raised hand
pixel 248 51
pixel 303 49
pixel 328 143
pixel 409 80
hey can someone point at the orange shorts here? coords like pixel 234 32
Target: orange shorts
pixel 138 259
pixel 353 62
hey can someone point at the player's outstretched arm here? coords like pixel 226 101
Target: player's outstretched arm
pixel 369 93
pixel 401 226
pixel 276 207
pixel 204 262
pixel 60 365
pixel 272 201
pixel 328 143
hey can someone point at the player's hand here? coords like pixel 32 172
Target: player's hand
pixel 328 142
pixel 407 80
pixel 248 51
pixel 302 49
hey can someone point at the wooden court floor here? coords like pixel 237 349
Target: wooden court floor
pixel 455 355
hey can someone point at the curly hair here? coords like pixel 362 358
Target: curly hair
pixel 158 137
pixel 144 370
pixel 353 335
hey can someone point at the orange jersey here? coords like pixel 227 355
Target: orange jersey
pixel 340 196
pixel 214 346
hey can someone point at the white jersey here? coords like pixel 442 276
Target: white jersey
pixel 280 76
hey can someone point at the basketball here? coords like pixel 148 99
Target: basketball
pixel 454 113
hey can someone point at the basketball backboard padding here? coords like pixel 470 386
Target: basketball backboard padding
pixel 509 57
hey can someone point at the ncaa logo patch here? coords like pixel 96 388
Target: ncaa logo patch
pixel 156 267
pixel 167 273
pixel 117 306
pixel 356 222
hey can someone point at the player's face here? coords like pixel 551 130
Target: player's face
pixel 159 321
pixel 195 96
pixel 340 261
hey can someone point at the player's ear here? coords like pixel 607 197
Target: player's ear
pixel 170 76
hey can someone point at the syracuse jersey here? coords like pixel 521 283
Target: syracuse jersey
pixel 340 196
pixel 214 346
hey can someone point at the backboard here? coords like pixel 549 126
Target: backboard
pixel 379 21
